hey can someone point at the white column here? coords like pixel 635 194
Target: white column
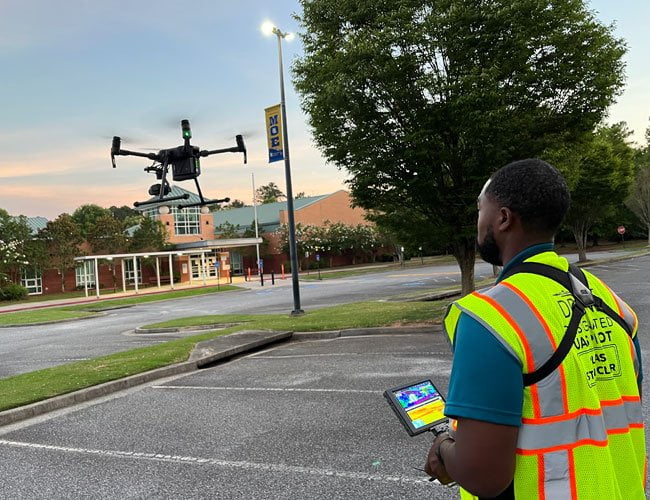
pixel 157 271
pixel 96 278
pixel 203 266
pixel 85 275
pixel 135 272
pixel 123 275
pixel 171 272
pixel 189 263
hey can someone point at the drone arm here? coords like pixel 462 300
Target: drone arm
pixel 203 203
pixel 151 202
pixel 205 152
pixel 124 152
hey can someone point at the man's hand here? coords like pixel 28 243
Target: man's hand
pixel 434 467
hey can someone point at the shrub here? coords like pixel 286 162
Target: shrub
pixel 12 291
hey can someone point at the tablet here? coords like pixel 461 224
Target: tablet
pixel 419 406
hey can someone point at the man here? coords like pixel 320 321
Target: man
pixel 534 417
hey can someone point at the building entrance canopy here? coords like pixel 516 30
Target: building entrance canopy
pixel 193 248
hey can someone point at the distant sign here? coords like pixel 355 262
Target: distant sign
pixel 621 230
pixel 216 264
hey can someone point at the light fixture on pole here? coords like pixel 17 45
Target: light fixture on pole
pixel 269 29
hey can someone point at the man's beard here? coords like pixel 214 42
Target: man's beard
pixel 488 250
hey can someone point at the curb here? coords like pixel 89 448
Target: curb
pixel 94 314
pixel 188 329
pixel 204 354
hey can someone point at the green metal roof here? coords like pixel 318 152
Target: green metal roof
pixel 35 224
pixel 268 215
pixel 175 191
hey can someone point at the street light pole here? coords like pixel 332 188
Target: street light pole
pixel 293 253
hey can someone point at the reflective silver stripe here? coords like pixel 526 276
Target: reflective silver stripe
pixel 491 330
pixel 540 436
pixel 627 314
pixel 549 390
pixel 521 313
pixel 556 475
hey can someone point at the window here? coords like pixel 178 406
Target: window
pixel 85 274
pixel 186 221
pixel 152 213
pixel 32 279
pixel 129 272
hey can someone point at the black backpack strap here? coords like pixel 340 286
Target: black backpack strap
pixel 576 282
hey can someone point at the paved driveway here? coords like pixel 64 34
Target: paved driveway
pixel 301 420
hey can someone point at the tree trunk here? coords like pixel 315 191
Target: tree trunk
pixel 580 230
pixel 649 234
pixel 465 253
pixel 62 280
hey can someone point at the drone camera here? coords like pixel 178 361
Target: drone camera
pixel 154 190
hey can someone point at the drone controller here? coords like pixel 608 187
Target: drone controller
pixel 185 163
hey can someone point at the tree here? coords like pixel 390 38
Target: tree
pixel 269 193
pixel 228 230
pixel 421 100
pixel 639 198
pixel 124 212
pixel 235 204
pixel 86 216
pixel 301 194
pixel 605 173
pixel 14 237
pixel 62 237
pixel 108 236
pixel 150 236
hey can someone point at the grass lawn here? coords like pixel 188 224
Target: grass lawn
pixel 42 384
pixel 83 310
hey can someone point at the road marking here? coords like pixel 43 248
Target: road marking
pixel 231 464
pixel 273 389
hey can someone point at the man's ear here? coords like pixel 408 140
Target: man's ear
pixel 506 219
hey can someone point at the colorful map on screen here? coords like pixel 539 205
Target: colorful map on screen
pixel 422 402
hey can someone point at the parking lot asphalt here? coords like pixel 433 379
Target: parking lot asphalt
pixel 302 420
pixel 299 420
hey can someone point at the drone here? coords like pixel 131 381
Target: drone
pixel 185 163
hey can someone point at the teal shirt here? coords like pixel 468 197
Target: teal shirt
pixel 486 382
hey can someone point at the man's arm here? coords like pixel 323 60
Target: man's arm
pixel 481 459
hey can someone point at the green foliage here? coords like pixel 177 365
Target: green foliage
pixel 235 204
pixel 107 236
pixel 124 213
pixel 334 239
pixel 420 101
pixel 86 216
pixel 604 173
pixel 150 236
pixel 15 236
pixel 62 238
pixel 228 230
pixel 269 193
pixel 639 196
pixel 12 291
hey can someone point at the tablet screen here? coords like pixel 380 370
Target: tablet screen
pixel 420 404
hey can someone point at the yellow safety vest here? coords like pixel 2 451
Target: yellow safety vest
pixel 581 434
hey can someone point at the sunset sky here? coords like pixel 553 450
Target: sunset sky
pixel 75 73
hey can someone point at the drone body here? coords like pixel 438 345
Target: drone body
pixel 185 163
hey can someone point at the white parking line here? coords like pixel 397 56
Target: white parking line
pixel 275 389
pixel 231 464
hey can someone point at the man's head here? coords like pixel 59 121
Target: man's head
pixel 522 204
